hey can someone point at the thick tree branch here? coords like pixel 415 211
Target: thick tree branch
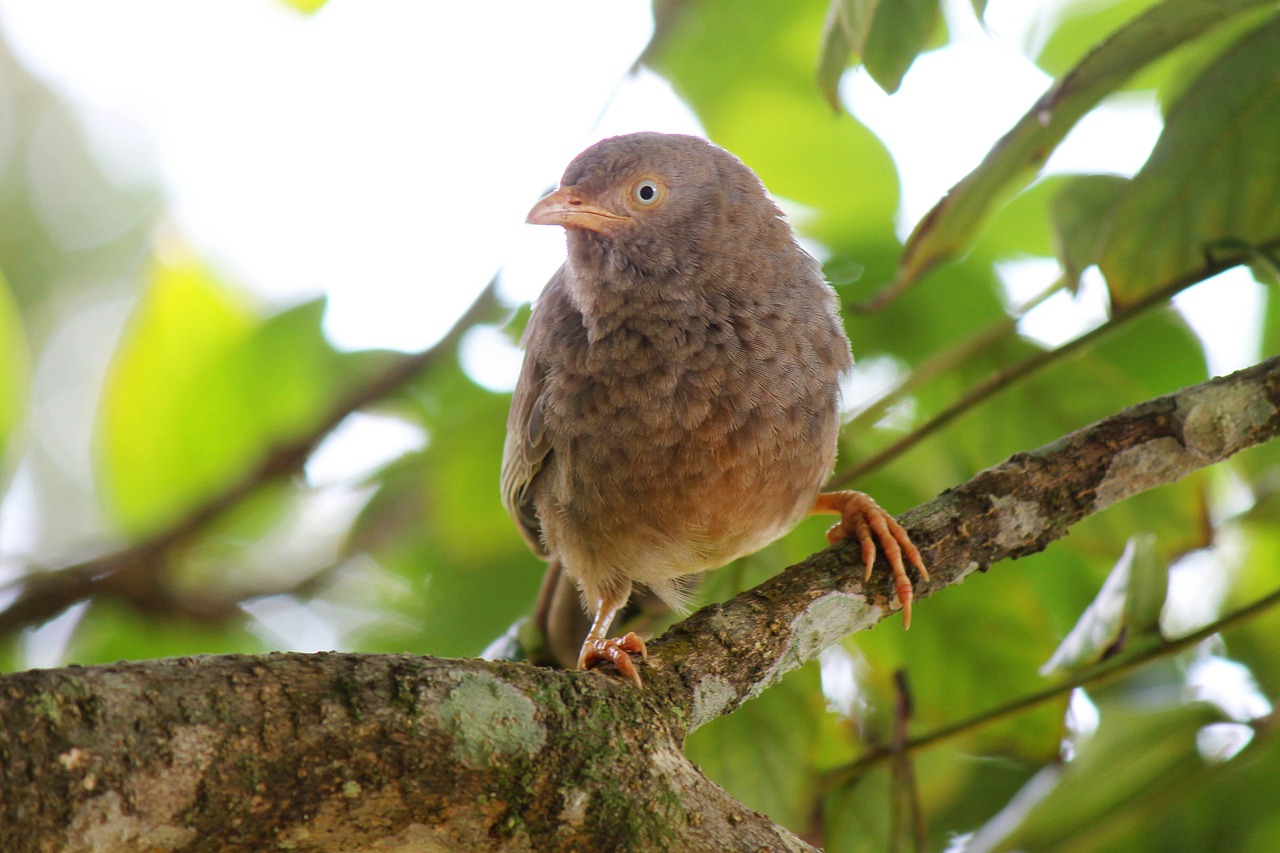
pixel 335 752
pixel 724 655
pixel 350 752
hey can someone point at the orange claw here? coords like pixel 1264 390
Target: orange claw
pixel 862 517
pixel 617 651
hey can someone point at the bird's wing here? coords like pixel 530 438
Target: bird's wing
pixel 528 444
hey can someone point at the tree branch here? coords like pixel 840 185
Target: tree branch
pixel 1100 673
pixel 997 382
pixel 136 573
pixel 341 752
pixel 725 654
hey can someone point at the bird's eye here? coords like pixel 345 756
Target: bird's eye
pixel 646 192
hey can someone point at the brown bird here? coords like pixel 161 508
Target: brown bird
pixel 678 405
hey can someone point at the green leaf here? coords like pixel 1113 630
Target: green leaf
pixel 1230 807
pixel 1079 212
pixel 436 524
pixel 110 631
pixel 1099 628
pixel 953 222
pixel 306 6
pixel 169 424
pixel 13 369
pixel 1148 588
pixel 293 373
pixel 1134 762
pixel 900 31
pixel 1128 604
pixel 1083 27
pixel 1212 181
pixel 887 35
pixel 957 789
pixel 744 61
pixel 842 34
pixel 956 673
pixel 1188 64
pixel 1022 227
pixel 199 391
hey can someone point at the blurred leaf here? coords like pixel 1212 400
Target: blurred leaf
pixel 899 32
pixel 856 816
pixel 1022 227
pixel 1079 212
pixel 958 671
pixel 957 789
pixel 1188 64
pixel 13 370
pixel 1087 23
pixel 1130 766
pixel 1083 26
pixel 294 373
pixel 841 37
pixel 886 35
pixel 1127 605
pixel 923 323
pixel 199 391
pixel 1230 807
pixel 110 632
pixel 306 6
pixel 437 522
pixel 953 222
pixel 1212 180
pixel 734 62
pixel 1099 628
pixel 1148 588
pixel 169 426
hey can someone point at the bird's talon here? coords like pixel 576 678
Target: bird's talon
pixel 862 517
pixel 616 651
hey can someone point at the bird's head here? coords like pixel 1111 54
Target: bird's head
pixel 657 203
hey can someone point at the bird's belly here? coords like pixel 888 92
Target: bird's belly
pixel 678 488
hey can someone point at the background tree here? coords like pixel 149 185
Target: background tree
pixel 1110 691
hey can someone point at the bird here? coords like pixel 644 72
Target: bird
pixel 678 403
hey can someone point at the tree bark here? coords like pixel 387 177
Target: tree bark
pixel 393 752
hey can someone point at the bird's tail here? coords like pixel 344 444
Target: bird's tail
pixel 560 617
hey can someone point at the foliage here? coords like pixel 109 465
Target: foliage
pixel 205 385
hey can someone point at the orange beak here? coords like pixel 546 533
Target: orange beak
pixel 566 207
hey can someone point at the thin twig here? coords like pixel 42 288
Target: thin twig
pixel 45 594
pixel 997 332
pixel 1097 674
pixel 905 812
pixel 999 381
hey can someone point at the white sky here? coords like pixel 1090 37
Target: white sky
pixel 385 151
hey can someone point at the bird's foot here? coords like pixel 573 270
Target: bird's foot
pixel 862 517
pixel 617 651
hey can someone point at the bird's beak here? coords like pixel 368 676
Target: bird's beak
pixel 566 207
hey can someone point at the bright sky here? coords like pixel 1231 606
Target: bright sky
pixel 385 151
